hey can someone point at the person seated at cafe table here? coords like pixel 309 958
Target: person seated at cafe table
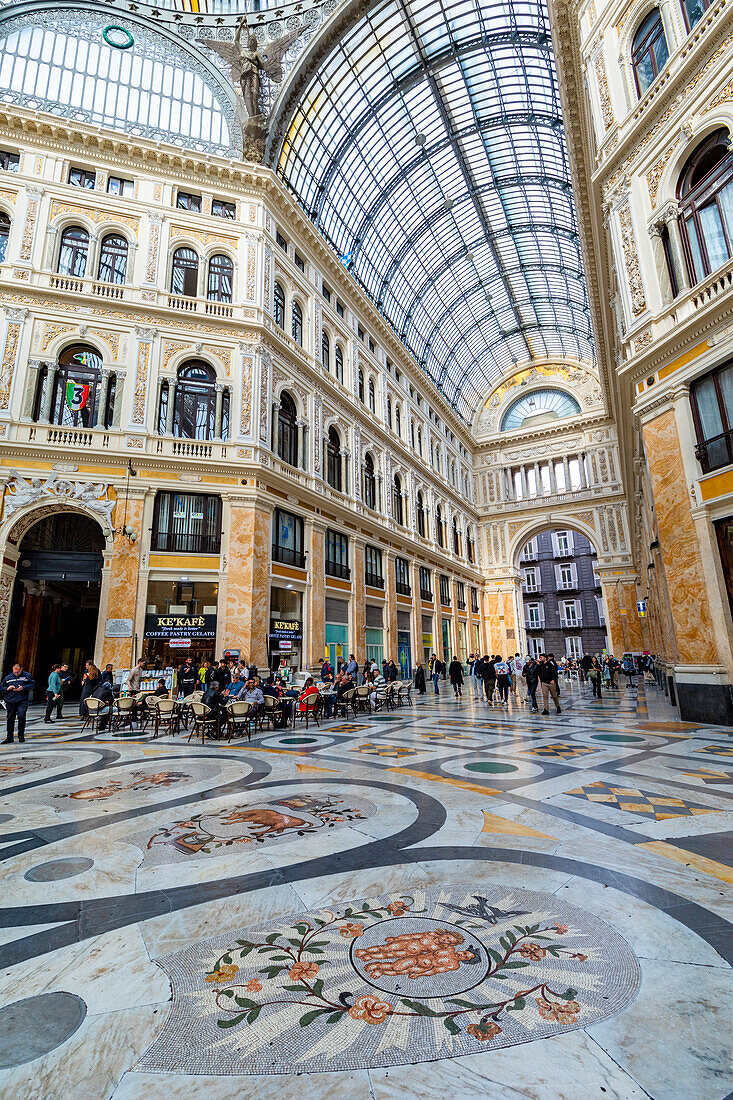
pixel 309 689
pixel 161 691
pixel 236 687
pixel 274 689
pixel 253 694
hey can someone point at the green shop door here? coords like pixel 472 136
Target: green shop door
pixel 404 656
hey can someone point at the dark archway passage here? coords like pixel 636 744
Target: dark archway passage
pixel 55 605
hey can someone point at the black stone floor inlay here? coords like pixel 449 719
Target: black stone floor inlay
pixel 36 1025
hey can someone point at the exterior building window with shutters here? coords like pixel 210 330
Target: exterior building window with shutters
pixel 373 575
pixel 562 543
pixel 566 576
pixel 287 539
pixel 570 613
pixel 402 577
pixel 536 645
pixel 531 579
pixel 573 646
pixel 445 590
pixel 535 613
pixel 337 555
pixel 426 584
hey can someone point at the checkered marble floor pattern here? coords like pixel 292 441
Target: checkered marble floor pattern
pixel 382 906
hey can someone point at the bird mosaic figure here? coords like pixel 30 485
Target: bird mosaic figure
pixel 484 911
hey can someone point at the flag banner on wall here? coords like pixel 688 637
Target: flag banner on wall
pixel 77 395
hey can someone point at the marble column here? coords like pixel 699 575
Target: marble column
pixel 315 647
pixel 121 595
pixel 539 488
pixel 45 415
pixel 583 475
pixel 525 485
pixel 248 583
pixel 103 393
pixel 686 580
pixel 390 641
pixel 357 604
pixel 566 473
pixel 553 478
pixel 218 408
pixel 170 407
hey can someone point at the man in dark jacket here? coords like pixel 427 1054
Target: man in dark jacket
pixel 188 679
pixel 532 676
pixel 489 668
pixel 16 690
pixel 547 672
pixel 455 675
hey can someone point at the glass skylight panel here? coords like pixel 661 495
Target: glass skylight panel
pixel 493 148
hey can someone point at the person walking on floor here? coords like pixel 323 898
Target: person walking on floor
pixel 503 680
pixel 530 672
pixel 420 680
pixel 16 690
pixel 547 672
pixel 489 678
pixel 473 661
pixel 53 692
pixel 438 670
pixel 595 675
pixel 455 675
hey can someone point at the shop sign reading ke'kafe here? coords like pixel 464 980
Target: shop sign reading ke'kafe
pixel 167 627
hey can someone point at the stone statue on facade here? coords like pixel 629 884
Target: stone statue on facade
pixel 22 492
pixel 247 64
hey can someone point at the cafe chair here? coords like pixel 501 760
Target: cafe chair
pixel 124 713
pixel 239 719
pixel 312 706
pixel 94 708
pixel 362 697
pixel 272 710
pixel 205 722
pixel 345 703
pixel 404 693
pixel 165 716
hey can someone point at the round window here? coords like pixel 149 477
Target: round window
pixel 118 37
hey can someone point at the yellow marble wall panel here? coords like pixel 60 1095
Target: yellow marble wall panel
pixel 693 626
pixel 357 625
pixel 123 583
pixel 248 582
pixel 390 641
pixel 316 595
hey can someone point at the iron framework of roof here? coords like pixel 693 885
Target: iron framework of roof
pixel 428 147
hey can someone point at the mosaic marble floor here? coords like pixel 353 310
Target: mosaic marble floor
pixel 449 899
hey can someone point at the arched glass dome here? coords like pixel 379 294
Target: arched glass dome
pixel 538 407
pixel 129 78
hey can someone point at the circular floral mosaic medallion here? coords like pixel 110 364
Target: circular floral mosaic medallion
pixel 401 978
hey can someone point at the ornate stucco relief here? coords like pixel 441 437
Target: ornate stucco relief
pixel 631 260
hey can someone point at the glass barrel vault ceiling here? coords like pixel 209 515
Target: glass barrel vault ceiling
pixel 429 149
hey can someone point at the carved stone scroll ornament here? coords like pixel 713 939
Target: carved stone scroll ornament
pixel 22 492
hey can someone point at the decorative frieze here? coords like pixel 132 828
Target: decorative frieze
pixel 631 260
pixel 603 92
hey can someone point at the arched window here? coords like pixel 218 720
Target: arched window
pixel 297 320
pixel 412 434
pixel 326 351
pixel 278 305
pixel 113 259
pixel 287 431
pixel 333 459
pixel 219 286
pixel 439 526
pixel 389 412
pixel 649 51
pixel 194 412
pixel 185 272
pixel 361 385
pixel 80 397
pixel 339 361
pixel 705 193
pixel 397 503
pixel 456 538
pixel 4 234
pixel 419 441
pixel 398 420
pixel 73 251
pixel 372 396
pixel 370 483
pixel 420 509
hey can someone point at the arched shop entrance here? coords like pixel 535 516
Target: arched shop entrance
pixel 55 602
